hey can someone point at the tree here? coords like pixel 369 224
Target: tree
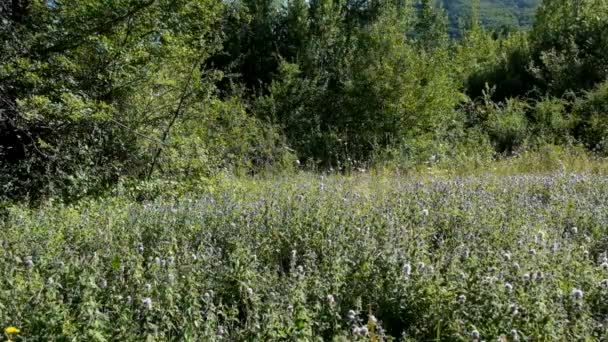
pixel 92 89
pixel 569 41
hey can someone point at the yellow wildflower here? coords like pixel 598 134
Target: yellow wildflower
pixel 11 330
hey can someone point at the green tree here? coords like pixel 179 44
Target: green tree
pixel 569 41
pixel 92 90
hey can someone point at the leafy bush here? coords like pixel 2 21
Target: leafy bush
pixel 591 113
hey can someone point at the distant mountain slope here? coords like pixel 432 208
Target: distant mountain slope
pixel 493 13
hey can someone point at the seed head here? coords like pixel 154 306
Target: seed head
pixel 351 315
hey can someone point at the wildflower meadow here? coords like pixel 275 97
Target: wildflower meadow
pixel 315 258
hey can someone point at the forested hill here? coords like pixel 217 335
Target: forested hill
pixel 493 13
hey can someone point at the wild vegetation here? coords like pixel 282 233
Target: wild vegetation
pixel 317 258
pixel 94 94
pixel 303 170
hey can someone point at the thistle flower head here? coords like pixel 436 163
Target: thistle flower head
pixel 577 294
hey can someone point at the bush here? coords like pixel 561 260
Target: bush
pixel 591 115
pixel 569 43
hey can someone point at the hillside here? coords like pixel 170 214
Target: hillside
pixel 493 13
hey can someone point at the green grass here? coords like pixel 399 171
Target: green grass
pixel 288 258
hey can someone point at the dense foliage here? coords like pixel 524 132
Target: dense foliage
pixel 313 258
pixel 95 93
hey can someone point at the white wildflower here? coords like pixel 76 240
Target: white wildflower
pixel 29 262
pixel 514 335
pixel 147 302
pixel 475 334
pixel 407 269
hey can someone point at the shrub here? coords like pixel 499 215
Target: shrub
pixel 591 115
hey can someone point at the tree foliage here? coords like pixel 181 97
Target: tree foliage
pixel 93 92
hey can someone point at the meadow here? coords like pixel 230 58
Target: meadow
pixel 311 257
